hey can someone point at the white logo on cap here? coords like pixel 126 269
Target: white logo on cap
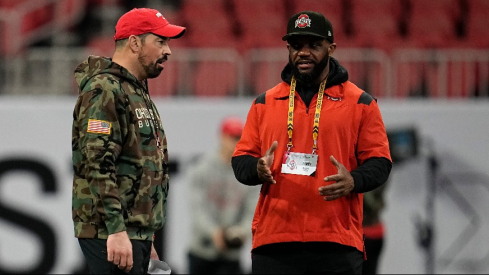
pixel 303 21
pixel 160 15
pixel 329 33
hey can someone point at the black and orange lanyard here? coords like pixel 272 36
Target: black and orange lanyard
pixel 317 114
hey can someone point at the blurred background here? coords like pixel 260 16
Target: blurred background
pixel 427 63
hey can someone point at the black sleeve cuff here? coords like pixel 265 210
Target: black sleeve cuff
pixel 371 174
pixel 244 168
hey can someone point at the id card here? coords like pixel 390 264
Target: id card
pixel 299 163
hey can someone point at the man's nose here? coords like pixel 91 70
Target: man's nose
pixel 304 51
pixel 166 50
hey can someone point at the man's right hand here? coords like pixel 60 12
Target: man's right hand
pixel 119 250
pixel 218 239
pixel 264 164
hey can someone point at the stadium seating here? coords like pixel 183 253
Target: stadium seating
pixel 333 10
pixel 263 69
pixel 208 24
pixel 260 23
pixel 330 8
pixel 24 22
pixel 253 29
pixel 376 23
pixel 432 23
pixel 477 31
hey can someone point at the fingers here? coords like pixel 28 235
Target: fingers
pixel 218 238
pixel 110 256
pixel 343 182
pixel 342 186
pixel 341 170
pixel 119 251
pixel 332 192
pixel 332 197
pixel 264 164
pixel 268 179
pixel 154 254
pixel 126 263
pixel 272 148
pixel 123 261
pixel 264 172
pixel 335 162
pixel 127 269
pixel 336 178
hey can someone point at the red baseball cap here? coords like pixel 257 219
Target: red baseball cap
pixel 232 126
pixel 144 20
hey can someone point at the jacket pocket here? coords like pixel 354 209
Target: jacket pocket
pixel 147 206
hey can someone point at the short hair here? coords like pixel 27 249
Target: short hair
pixel 122 42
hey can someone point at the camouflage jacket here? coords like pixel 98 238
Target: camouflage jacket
pixel 120 180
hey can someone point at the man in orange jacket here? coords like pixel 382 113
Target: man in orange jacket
pixel 315 142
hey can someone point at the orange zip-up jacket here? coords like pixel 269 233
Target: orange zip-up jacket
pixel 350 128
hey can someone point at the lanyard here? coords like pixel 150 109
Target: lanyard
pixel 317 114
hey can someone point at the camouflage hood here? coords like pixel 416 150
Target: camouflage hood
pixel 95 65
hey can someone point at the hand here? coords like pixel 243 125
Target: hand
pixel 218 239
pixel 119 250
pixel 343 186
pixel 234 236
pixel 264 164
pixel 154 254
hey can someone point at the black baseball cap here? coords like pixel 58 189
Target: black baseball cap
pixel 309 23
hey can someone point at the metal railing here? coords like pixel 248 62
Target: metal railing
pixel 440 73
pixel 224 72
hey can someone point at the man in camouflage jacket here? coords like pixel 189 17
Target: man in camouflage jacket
pixel 120 182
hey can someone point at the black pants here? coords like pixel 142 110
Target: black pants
pixel 373 248
pixel 95 252
pixel 306 258
pixel 198 265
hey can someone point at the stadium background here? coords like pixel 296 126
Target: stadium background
pixel 427 63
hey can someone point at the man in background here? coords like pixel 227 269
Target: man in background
pixel 373 227
pixel 221 208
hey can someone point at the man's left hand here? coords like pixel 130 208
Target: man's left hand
pixel 154 254
pixel 343 183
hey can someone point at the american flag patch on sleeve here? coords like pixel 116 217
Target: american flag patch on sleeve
pixel 98 126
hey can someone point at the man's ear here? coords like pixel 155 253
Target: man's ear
pixel 331 49
pixel 134 43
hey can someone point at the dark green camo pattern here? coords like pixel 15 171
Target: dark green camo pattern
pixel 120 180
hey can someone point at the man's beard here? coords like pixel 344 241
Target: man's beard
pixel 151 70
pixel 310 78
